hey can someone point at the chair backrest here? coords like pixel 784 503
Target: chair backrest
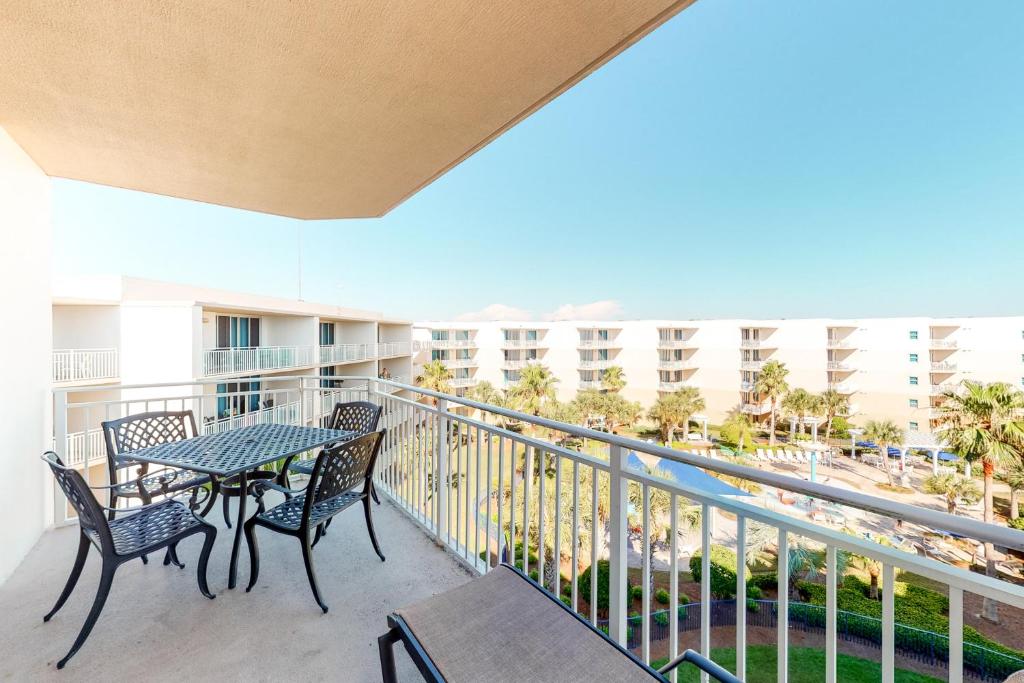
pixel 343 467
pixel 81 497
pixel 360 417
pixel 143 430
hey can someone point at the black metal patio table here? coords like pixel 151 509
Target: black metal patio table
pixel 238 452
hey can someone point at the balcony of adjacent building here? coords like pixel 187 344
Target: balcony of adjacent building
pixel 941 388
pixel 847 386
pixel 673 385
pixel 677 364
pixel 841 338
pixel 752 365
pixel 598 338
pixel 676 337
pixel 517 338
pixel 756 407
pixel 256 359
pixel 943 337
pixel 447 344
pixel 412 524
pixel 943 367
pixel 757 338
pixel 837 365
pixel 84 366
pixel 595 363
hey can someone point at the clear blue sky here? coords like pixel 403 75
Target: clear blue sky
pixel 754 158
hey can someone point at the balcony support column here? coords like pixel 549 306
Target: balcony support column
pixel 617 551
pixel 441 471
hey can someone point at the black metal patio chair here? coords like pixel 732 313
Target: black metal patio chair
pixel 341 477
pixel 360 417
pixel 131 433
pixel 505 627
pixel 134 533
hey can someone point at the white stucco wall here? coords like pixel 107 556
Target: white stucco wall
pixel 25 229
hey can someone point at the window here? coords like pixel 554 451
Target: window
pixel 531 335
pixel 913 358
pixel 237 332
pixel 326 334
pixel 913 381
pixel 913 403
pixel 912 426
pixel 913 335
pixel 439 335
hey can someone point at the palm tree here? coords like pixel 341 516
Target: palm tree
pixel 613 379
pixel 771 383
pixel 983 423
pixel 884 433
pixel 536 386
pixel 435 377
pixel 1014 478
pixel 740 427
pixel 953 489
pixel 484 392
pixel 673 411
pixel 833 404
pixel 800 403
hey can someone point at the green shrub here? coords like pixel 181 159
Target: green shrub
pixel 723 571
pixel 567 588
pixel 661 596
pixel 684 599
pixel 754 593
pixel 661 618
pixel 636 593
pixel 1016 523
pixel 566 600
pixel 764 581
pixel 753 606
pixel 534 575
pixel 583 583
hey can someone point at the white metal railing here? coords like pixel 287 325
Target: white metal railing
pixel 256 358
pixel 520 343
pixel 85 447
pixel 753 344
pixel 597 344
pixel 516 364
pixel 590 384
pixel 461 382
pixel 942 387
pixel 845 343
pixel 79 365
pixel 844 387
pixel 747 385
pixel 447 344
pixel 839 365
pixel 676 364
pixel 756 408
pixel 595 364
pixel 944 366
pixel 751 364
pixel 459 362
pixel 674 343
pixel 347 353
pixel 391 349
pixel 942 343
pixel 672 386
pixel 479 490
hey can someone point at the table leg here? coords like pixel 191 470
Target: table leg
pixel 243 486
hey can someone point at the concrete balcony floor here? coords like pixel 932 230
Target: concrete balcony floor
pixel 157 626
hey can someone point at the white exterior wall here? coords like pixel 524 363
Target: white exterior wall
pixel 879 360
pixel 25 277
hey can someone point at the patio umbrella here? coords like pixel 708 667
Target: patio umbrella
pixel 948 457
pixel 688 475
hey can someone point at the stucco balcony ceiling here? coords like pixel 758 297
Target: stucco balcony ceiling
pixel 313 110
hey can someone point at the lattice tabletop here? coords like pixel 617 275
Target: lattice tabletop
pixel 238 450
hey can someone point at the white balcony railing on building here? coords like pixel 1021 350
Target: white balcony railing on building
pixel 672 386
pixel 82 365
pixel 447 344
pixel 942 387
pixel 392 349
pixel 845 343
pixel 944 366
pixel 756 408
pixel 459 362
pixel 575 508
pixel 846 387
pixel 676 364
pixel 347 353
pixel 841 365
pixel 942 343
pixel 462 382
pixel 595 364
pixel 256 359
pixel 518 364
pixel 746 385
pixel 520 343
pixel 590 384
pixel 674 343
pixel 754 365
pixel 754 344
pixel 597 344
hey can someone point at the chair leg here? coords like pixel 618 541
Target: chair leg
pixel 254 553
pixel 106 579
pixel 76 572
pixel 307 558
pixel 204 559
pixel 227 512
pixel 369 527
pixel 214 492
pixel 171 557
pixel 386 648
pixel 319 534
pixel 373 492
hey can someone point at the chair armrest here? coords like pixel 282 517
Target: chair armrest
pixel 261 486
pixel 703 663
pixel 193 501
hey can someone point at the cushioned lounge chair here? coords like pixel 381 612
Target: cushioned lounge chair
pixel 504 627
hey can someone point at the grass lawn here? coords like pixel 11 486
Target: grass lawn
pixel 806 665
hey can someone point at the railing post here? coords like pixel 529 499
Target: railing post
pixel 302 402
pixel 617 553
pixel 60 433
pixel 441 484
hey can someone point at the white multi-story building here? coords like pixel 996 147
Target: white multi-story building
pixel 890 368
pixel 113 332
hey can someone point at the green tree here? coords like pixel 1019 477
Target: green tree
pixel 535 387
pixel 588 406
pixel 435 377
pixel 484 392
pixel 613 379
pixel 673 411
pixel 983 423
pixel 617 411
pixel 1013 475
pixel 953 490
pixel 771 384
pixel 738 428
pixel 832 405
pixel 884 433
pixel 801 404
